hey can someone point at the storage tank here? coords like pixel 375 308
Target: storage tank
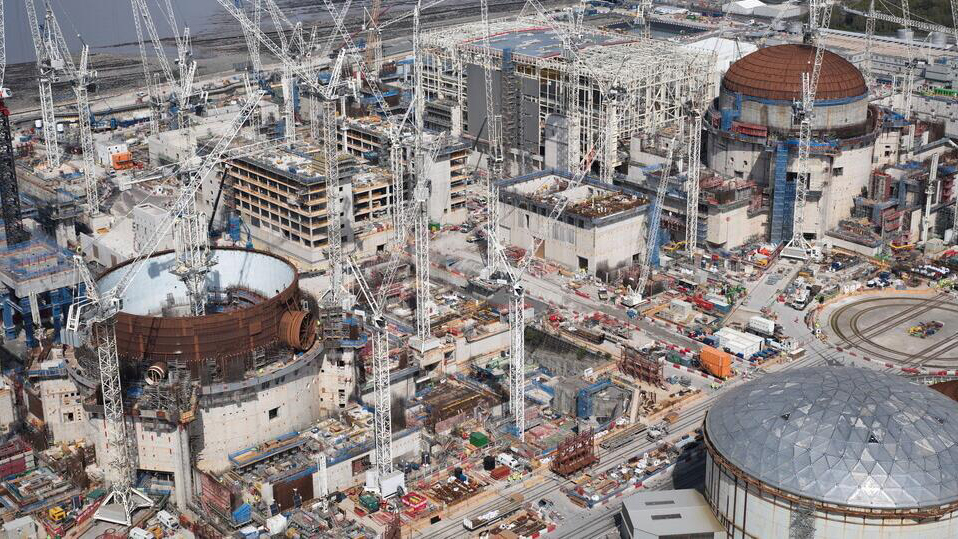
pixel 833 452
pixel 939 39
pixel 905 34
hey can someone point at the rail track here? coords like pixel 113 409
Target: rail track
pixel 862 338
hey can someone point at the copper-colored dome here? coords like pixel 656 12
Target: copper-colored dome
pixel 776 73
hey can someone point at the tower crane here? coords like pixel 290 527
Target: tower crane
pixel 819 14
pixel 698 104
pixel 251 42
pixel 374 51
pixel 494 134
pixel 9 190
pixel 513 277
pixel 182 88
pixel 643 17
pixel 421 192
pixel 382 417
pixel 152 90
pixel 694 177
pixel 634 297
pixel 94 315
pixel 55 52
pixel 49 62
pixel 183 53
pixel 83 81
pixel 909 82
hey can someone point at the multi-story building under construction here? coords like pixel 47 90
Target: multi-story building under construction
pixel 630 83
pixel 282 198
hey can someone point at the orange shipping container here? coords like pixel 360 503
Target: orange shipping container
pixel 716 362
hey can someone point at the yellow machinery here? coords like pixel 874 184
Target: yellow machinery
pixel 57 514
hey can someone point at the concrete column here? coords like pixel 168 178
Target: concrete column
pixel 9 330
pixel 182 474
pixel 27 320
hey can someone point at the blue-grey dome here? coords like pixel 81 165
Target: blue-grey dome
pixel 845 435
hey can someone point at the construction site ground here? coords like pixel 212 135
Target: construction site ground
pixel 877 326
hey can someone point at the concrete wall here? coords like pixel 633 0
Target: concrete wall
pixel 273 406
pixel 8 412
pixel 439 177
pixel 780 116
pixel 730 229
pixel 849 174
pixel 340 475
pixel 163 447
pixel 493 342
pixel 840 178
pixel 609 246
pixel 62 410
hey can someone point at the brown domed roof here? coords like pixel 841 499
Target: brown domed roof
pixel 776 73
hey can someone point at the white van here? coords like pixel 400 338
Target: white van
pixel 167 520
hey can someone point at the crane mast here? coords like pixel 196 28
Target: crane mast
pixel 421 193
pixel 334 223
pixel 9 189
pixel 610 140
pixel 643 13
pixel 694 176
pixel 909 82
pixel 382 418
pixel 798 246
pixel 85 78
pixel 151 88
pixel 494 134
pixel 635 295
pixel 47 67
pixel 868 67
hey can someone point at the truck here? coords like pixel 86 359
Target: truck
pixel 801 299
pixel 761 326
pixel 481 521
pixel 657 431
pixel 506 459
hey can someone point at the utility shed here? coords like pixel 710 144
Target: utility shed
pixel 739 343
pixel 669 513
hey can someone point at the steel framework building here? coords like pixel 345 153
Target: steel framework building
pixel 640 83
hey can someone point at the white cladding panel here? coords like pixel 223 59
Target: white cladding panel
pixel 750 515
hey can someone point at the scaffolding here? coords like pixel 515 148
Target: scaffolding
pixel 656 78
pixel 779 203
pixel 642 367
pixel 575 454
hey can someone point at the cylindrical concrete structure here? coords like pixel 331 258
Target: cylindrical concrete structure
pixel 250 294
pixel 833 453
pixel 753 134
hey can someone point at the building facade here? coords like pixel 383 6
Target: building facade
pixel 601 229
